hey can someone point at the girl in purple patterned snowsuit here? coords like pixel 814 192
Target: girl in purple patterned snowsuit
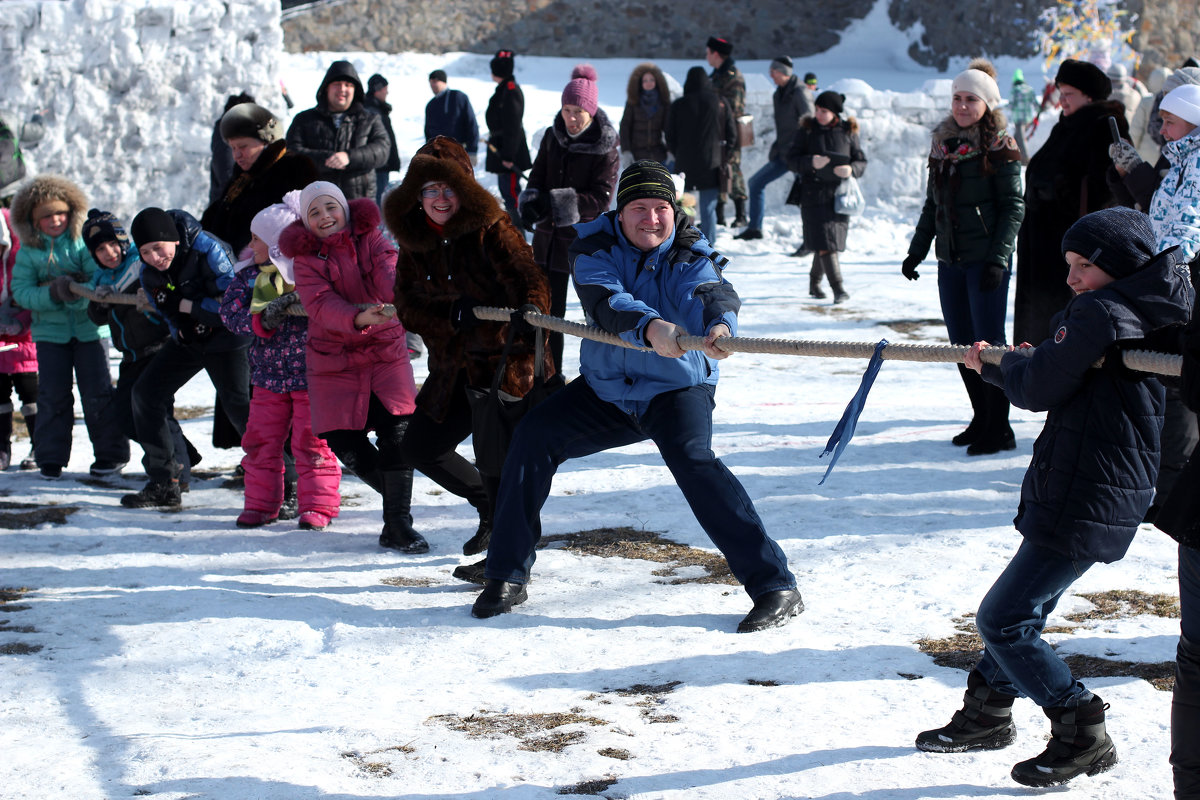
pixel 256 303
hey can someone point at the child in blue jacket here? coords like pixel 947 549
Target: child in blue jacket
pixel 1085 491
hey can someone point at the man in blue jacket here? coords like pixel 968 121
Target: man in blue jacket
pixel 640 277
pixel 449 113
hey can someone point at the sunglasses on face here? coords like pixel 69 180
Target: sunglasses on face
pixel 433 192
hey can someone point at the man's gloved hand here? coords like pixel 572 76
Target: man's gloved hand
pixel 518 322
pixel 909 268
pixel 167 302
pixel 462 313
pixel 60 289
pixel 276 310
pixel 991 277
pixel 1124 156
pixel 533 209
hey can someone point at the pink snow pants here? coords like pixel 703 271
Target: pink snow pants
pixel 319 476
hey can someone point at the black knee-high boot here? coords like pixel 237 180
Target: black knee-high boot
pixel 6 438
pixel 398 533
pixel 998 434
pixel 815 274
pixel 30 423
pixel 1185 720
pixel 833 271
pixel 974 385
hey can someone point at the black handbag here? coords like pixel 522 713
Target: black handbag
pixel 495 414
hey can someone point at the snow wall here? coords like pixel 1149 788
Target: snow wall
pixel 128 90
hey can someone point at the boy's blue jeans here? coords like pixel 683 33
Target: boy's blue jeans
pixel 575 422
pixel 1016 660
pixel 768 173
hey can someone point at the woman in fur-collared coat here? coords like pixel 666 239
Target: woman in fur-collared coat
pixel 647 100
pixel 458 248
pixel 973 209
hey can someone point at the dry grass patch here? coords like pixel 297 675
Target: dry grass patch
pixel 400 580
pixel 192 412
pixel 373 767
pixel 652 697
pixel 535 732
pixel 910 327
pixel 18 649
pixel 619 753
pixel 961 651
pixel 646 546
pixel 23 516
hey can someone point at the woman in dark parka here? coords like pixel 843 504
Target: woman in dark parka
pixel 457 249
pixel 973 208
pixel 824 153
pixel 647 100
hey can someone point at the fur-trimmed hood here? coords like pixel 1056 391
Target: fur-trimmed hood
pixel 849 123
pixel 402 210
pixel 600 136
pixel 633 90
pixel 297 240
pixel 39 190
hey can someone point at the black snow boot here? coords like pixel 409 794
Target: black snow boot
pixel 155 494
pixel 1078 744
pixel 815 274
pixel 6 438
pixel 483 534
pixel 398 533
pixel 1185 720
pixel 974 385
pixel 721 213
pixel 833 271
pixel 291 503
pixel 983 723
pixel 739 210
pixel 997 435
pixel 29 462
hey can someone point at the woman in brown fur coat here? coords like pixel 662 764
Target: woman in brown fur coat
pixel 459 249
pixel 647 99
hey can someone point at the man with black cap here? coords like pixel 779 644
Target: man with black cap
pixel 507 150
pixel 1066 179
pixel 345 141
pixel 1084 494
pixel 376 102
pixel 642 273
pixel 450 114
pixel 730 84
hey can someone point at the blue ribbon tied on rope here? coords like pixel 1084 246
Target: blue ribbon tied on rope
pixel 844 432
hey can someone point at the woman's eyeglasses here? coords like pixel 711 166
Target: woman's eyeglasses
pixel 433 193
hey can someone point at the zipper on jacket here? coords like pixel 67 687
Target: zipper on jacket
pixel 982 222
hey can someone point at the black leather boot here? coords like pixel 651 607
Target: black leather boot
pixel 815 274
pixel 29 462
pixel 739 210
pixel 998 434
pixel 833 271
pixel 1078 744
pixel 983 723
pixel 6 438
pixel 974 385
pixel 721 213
pixel 398 533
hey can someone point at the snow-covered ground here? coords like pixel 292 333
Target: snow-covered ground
pixel 184 658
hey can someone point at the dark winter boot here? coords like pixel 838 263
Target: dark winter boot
pixel 814 277
pixel 1185 719
pixel 739 209
pixel 291 504
pixel 364 463
pixel 1078 744
pixel 6 438
pixel 398 533
pixel 29 462
pixel 998 435
pixel 721 213
pixel 833 271
pixel 983 723
pixel 155 494
pixel 974 385
pixel 483 534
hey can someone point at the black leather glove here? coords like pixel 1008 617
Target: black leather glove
pixel 167 301
pixel 276 310
pixel 462 313
pixel 991 277
pixel 909 268
pixel 60 289
pixel 518 322
pixel 533 210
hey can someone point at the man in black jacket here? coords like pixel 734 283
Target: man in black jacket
pixel 345 140
pixel 376 101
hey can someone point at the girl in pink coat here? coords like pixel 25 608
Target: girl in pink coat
pixel 359 376
pixel 18 355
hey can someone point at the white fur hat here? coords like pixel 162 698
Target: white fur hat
pixel 1183 102
pixel 269 223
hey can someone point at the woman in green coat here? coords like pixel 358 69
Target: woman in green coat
pixel 973 209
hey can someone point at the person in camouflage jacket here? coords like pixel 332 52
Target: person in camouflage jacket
pixel 731 86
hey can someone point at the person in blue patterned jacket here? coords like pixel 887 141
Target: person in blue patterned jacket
pixel 645 274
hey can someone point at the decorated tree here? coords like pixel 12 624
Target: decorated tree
pixel 1100 31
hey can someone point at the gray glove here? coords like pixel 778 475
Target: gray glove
pixel 1124 155
pixel 276 310
pixel 60 289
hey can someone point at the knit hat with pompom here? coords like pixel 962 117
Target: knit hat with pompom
pixel 581 89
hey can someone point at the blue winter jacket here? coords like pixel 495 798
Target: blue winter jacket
pixel 450 114
pixel 135 333
pixel 1096 461
pixel 623 289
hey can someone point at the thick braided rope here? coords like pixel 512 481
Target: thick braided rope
pixel 1140 360
pixel 294 310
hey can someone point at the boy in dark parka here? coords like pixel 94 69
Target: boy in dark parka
pixel 1084 494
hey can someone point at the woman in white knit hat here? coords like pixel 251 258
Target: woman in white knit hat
pixel 973 209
